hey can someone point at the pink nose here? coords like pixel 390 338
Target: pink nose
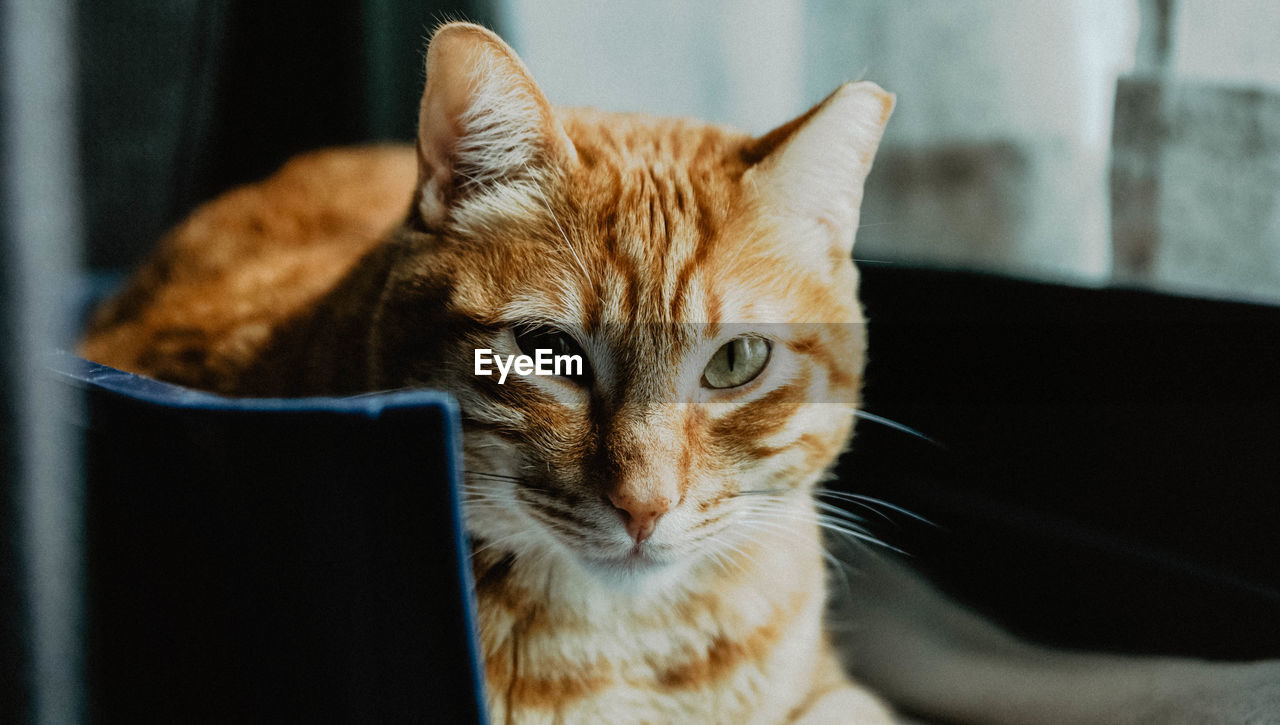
pixel 640 515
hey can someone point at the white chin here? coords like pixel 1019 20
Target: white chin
pixel 629 565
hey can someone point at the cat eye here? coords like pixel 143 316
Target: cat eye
pixel 559 342
pixel 737 362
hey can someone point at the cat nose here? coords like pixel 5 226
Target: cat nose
pixel 640 515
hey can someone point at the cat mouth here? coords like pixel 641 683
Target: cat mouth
pixel 640 558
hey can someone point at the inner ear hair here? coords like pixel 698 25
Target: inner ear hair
pixel 482 122
pixel 812 168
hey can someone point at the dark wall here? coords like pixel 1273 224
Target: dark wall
pixel 184 99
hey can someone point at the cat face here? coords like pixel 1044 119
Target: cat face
pixel 702 276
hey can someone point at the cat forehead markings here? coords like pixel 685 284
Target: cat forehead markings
pixel 611 238
pixel 653 196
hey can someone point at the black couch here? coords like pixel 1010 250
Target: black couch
pixel 1105 464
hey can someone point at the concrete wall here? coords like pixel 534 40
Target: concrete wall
pixel 728 61
pixel 1196 172
pixel 997 155
pixel 1000 155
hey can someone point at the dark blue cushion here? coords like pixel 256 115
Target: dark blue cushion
pixel 273 560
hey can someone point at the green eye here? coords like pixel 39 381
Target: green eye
pixel 737 362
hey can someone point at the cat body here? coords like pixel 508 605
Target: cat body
pixel 626 569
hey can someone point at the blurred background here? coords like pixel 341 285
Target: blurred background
pixel 1096 142
pixel 1089 140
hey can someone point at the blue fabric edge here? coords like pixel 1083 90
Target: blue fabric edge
pixel 85 374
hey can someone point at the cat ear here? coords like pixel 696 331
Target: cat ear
pixel 483 122
pixel 812 169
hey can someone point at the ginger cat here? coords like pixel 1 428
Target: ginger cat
pixel 624 573
pixel 646 546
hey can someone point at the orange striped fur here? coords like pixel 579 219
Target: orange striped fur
pixel 652 242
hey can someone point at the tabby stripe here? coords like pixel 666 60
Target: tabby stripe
pixel 814 349
pixel 725 654
pixel 760 418
pixel 707 238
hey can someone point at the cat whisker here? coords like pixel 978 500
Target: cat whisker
pixel 722 560
pixel 755 232
pixel 875 224
pixel 559 525
pixel 900 427
pixel 482 484
pixel 869 502
pixel 728 563
pixel 479 496
pixel 546 501
pixel 834 561
pixel 375 393
pixel 809 515
pixel 469 179
pixel 852 527
pixel 777 526
pixel 489 544
pixel 833 510
pixel 486 490
pixel 742 558
pixel 860 536
pixel 544 520
pixel 477 505
pixel 586 276
pixel 832 524
pixel 497 476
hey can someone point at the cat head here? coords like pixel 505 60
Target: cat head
pixel 702 276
